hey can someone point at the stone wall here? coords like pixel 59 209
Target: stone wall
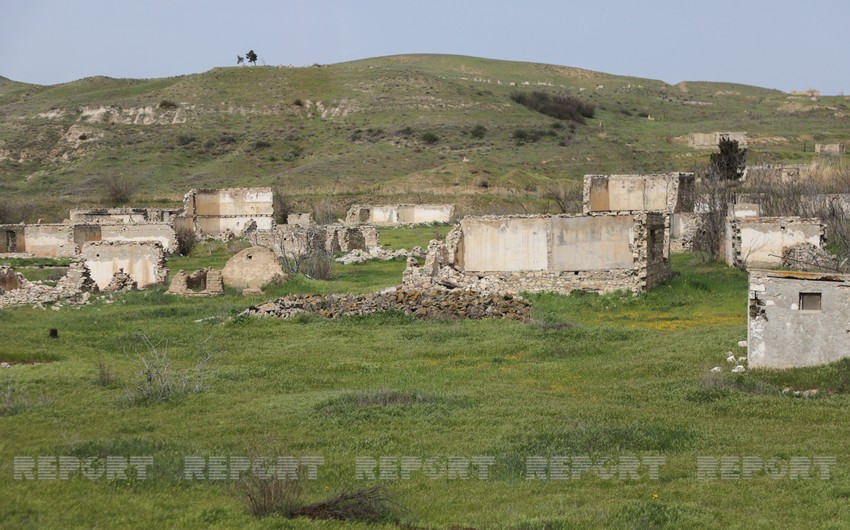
pixel 797 319
pixel 49 240
pixel 123 215
pixel 73 288
pixel 782 173
pixel 602 253
pixel 671 192
pixel 759 242
pixel 831 149
pixel 217 212
pixel 711 140
pixel 400 214
pixel 160 232
pixel 295 241
pixel 144 261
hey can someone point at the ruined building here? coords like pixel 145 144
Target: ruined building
pixel 760 242
pixel 400 214
pixel 601 252
pixel 797 318
pixel 221 212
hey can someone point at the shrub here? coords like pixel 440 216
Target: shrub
pixel 323 213
pixel 168 104
pixel 260 144
pixel 407 131
pixel 429 138
pixel 105 376
pixel 318 265
pixel 298 103
pixel 478 132
pixel 186 239
pixel 119 189
pixel 559 107
pixel 185 139
pixel 281 206
pixel 159 381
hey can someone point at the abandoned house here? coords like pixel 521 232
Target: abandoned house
pixel 711 140
pixel 143 261
pixel 797 319
pixel 218 212
pixel 759 242
pixel 400 214
pixel 601 252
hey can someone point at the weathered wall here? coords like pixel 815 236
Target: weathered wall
pixel 252 268
pixel 830 149
pixel 123 215
pixel 604 253
pixel 400 214
pixel 295 241
pixel 711 140
pixel 143 261
pixel 672 192
pixel 160 232
pixel 216 211
pixel 781 334
pixel 777 173
pixel 12 239
pixel 49 240
pixel 758 242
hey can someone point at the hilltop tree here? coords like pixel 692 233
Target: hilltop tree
pixel 252 57
pixel 729 163
pixel 240 60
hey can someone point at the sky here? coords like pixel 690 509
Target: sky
pixel 782 44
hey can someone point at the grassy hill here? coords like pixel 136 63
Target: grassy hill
pixel 396 127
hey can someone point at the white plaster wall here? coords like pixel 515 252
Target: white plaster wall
pixel 512 244
pixel 48 241
pixel 140 261
pixel 762 244
pixel 592 243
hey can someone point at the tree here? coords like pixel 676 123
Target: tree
pixel 240 60
pixel 252 57
pixel 729 163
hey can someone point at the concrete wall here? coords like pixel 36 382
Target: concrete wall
pixel 49 240
pixel 602 252
pixel 672 192
pixel 295 241
pixel 758 242
pixel 400 214
pixel 781 334
pixel 711 140
pixel 217 211
pixel 143 261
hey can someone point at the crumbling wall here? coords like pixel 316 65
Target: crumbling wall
pixel 216 212
pixel 831 149
pixel 711 140
pixel 778 173
pixel 49 240
pixel 301 219
pixel 12 239
pixel 144 261
pixel 797 319
pixel 759 242
pixel 253 268
pixel 603 253
pixel 73 288
pixel 203 282
pixel 400 214
pixel 161 232
pixel 671 192
pixel 295 241
pixel 123 215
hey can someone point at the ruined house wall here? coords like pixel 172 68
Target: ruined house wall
pixel 49 240
pixel 830 149
pixel 783 333
pixel 711 140
pixel 144 261
pixel 217 211
pixel 400 214
pixel 294 241
pixel 780 173
pixel 758 242
pixel 602 253
pixel 12 239
pixel 160 232
pixel 672 192
pixel 123 215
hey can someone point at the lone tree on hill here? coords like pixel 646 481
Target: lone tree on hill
pixel 729 163
pixel 252 57
pixel 240 60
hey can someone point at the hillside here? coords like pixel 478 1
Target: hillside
pixel 396 126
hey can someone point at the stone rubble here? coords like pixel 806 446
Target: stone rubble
pixel 121 282
pixel 74 288
pixel 430 304
pixel 378 253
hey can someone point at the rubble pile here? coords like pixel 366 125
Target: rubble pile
pixel 427 304
pixel 378 253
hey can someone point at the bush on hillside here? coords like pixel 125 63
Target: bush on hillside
pixel 559 107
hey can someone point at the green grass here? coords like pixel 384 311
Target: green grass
pixel 602 376
pixel 407 238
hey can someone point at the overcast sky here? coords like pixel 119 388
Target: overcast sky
pixel 780 44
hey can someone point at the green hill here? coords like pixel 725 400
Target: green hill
pixel 392 127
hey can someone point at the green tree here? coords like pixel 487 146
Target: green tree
pixel 252 57
pixel 729 163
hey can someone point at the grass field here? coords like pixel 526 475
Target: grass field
pixel 613 376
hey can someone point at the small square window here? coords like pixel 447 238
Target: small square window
pixel 810 301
